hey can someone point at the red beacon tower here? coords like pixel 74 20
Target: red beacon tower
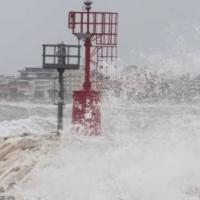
pixel 98 31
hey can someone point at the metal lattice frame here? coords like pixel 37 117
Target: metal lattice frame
pixel 61 57
pixel 103 30
pixel 53 57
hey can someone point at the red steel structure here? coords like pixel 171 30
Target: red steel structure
pixel 98 31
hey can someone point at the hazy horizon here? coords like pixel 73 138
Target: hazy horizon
pixel 163 34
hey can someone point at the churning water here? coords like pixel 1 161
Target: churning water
pixel 145 152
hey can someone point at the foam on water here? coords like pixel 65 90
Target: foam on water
pixel 33 125
pixel 145 153
pixel 18 118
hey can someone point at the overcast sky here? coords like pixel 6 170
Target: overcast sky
pixel 146 28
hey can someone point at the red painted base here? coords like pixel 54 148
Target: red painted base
pixel 86 116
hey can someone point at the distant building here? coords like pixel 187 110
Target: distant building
pixel 36 82
pixel 41 84
pixel 32 73
pixel 5 86
pixel 74 80
pixel 4 91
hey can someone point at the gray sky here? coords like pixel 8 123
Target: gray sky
pixel 146 27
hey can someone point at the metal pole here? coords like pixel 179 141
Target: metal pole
pixel 87 84
pixel 60 101
pixel 61 60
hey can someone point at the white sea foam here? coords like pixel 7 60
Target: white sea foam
pixel 145 152
pixel 18 118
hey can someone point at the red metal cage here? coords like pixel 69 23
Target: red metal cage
pixel 103 27
pixel 98 31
